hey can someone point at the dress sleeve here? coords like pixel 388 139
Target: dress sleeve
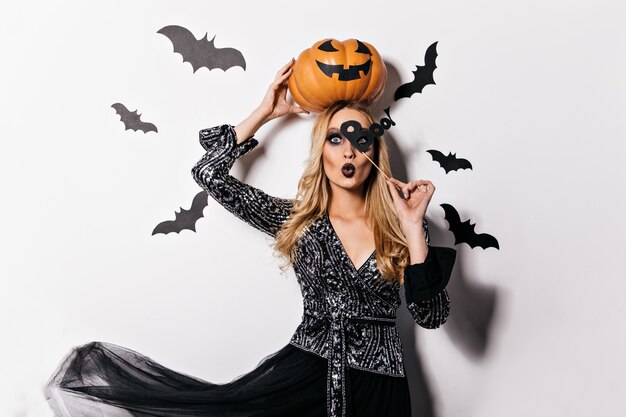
pixel 250 204
pixel 424 285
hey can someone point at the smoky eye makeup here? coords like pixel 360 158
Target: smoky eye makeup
pixel 334 137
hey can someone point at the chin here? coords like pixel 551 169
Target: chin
pixel 350 183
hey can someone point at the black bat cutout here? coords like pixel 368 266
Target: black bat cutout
pixel 423 75
pixel 202 52
pixel 464 231
pixel 185 219
pixel 449 162
pixel 132 120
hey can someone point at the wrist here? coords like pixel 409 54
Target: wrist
pixel 262 114
pixel 412 225
pixel 413 232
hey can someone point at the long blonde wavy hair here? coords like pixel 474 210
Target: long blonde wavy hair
pixel 314 192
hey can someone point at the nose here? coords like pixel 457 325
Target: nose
pixel 348 150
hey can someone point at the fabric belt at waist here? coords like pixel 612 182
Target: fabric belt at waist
pixel 337 389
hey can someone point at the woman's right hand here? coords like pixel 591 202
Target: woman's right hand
pixel 275 102
pixel 274 105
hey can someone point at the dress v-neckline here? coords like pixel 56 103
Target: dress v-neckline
pixel 343 248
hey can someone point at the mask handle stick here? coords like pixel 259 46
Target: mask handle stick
pixel 382 172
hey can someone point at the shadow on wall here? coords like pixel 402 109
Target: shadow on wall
pixel 472 312
pixel 473 306
pixel 386 100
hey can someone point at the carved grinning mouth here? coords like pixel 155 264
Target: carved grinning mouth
pixel 353 72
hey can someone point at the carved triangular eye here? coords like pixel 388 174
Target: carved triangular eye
pixel 362 48
pixel 327 46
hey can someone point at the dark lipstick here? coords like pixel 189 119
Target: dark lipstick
pixel 348 170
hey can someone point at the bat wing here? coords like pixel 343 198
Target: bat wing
pixel 199 203
pixel 123 112
pixel 438 156
pixel 184 43
pixel 132 120
pixel 201 53
pixel 444 161
pixel 485 240
pixel 453 218
pixel 462 163
pixel 452 163
pixel 181 222
pixel 222 58
pixel 165 227
pixel 405 90
pixel 129 118
pixel 120 109
pixel 449 162
pixel 422 76
pixel 464 231
pixel 185 219
pixel 148 127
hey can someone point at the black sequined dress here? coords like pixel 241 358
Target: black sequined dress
pixel 344 359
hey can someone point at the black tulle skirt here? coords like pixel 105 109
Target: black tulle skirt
pixel 102 379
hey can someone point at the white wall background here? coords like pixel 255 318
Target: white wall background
pixel 532 92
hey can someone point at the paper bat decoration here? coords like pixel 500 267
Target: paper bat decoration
pixel 423 75
pixel 202 53
pixel 464 231
pixel 186 219
pixel 449 162
pixel 132 120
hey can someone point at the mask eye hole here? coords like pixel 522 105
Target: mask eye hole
pixel 327 46
pixel 362 48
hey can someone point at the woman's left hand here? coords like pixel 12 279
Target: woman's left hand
pixel 412 209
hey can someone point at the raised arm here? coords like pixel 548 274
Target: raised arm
pixel 273 105
pixel 428 273
pixel 250 204
pixel 223 144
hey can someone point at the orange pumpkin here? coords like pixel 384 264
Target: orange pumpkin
pixel 331 71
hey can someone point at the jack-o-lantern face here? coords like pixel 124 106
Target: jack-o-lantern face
pixel 353 72
pixel 331 71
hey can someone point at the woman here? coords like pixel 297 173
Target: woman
pixel 352 241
